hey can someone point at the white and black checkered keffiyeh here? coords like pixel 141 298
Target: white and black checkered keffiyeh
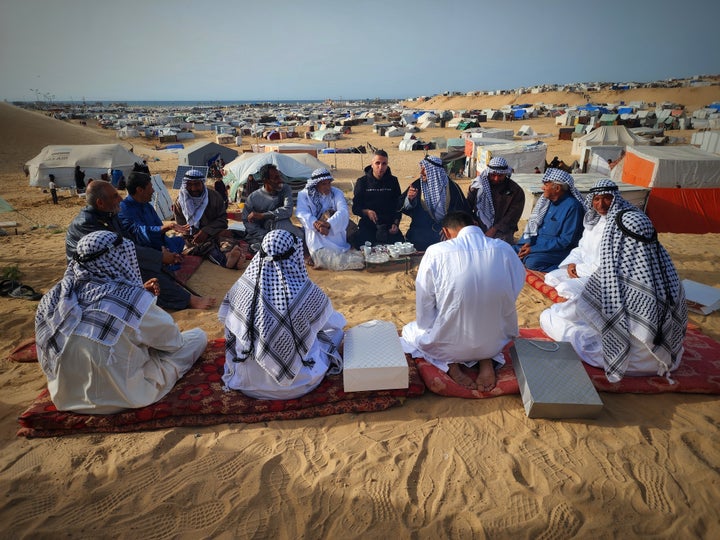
pixel 635 291
pixel 435 190
pixel 320 203
pixel 484 202
pixel 193 207
pixel 274 312
pixel 99 296
pixel 604 186
pixel 556 176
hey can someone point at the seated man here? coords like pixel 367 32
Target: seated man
pixel 375 200
pixel 497 201
pixel 270 207
pixel 555 225
pixel 102 342
pixel 631 316
pixel 427 200
pixel 466 288
pixel 323 211
pixel 572 273
pixel 281 330
pixel 142 222
pixel 201 211
pixel 101 214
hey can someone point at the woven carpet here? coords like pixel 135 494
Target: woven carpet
pixel 699 373
pixel 188 267
pixel 198 399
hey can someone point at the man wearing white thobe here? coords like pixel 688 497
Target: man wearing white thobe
pixel 466 289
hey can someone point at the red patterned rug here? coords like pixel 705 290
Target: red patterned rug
pixel 699 373
pixel 188 267
pixel 537 281
pixel 199 400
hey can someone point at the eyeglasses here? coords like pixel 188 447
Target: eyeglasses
pixel 92 256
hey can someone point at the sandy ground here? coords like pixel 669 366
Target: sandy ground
pixel 433 468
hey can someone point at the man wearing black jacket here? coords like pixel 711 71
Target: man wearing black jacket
pixel 375 200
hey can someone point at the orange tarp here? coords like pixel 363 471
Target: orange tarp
pixel 684 210
pixel 637 171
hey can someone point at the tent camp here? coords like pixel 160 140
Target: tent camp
pixel 205 153
pixel 94 159
pixel 684 184
pixel 606 136
pixel 296 167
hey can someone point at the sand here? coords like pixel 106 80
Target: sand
pixel 434 468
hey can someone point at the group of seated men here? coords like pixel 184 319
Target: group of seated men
pixel 282 333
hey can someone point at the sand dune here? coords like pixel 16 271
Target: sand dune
pixel 434 468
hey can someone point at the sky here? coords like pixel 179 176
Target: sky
pixel 215 50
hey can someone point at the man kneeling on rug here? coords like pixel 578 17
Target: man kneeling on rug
pixel 465 294
pixel 281 331
pixel 102 341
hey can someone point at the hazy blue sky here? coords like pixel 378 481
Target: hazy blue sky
pixel 285 49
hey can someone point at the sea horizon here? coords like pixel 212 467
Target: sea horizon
pixel 198 103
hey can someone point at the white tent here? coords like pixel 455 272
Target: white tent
pixel 526 131
pixel 599 156
pixel 394 132
pixel 293 166
pixel 672 166
pixel 326 135
pixel 606 136
pixel 523 157
pixel 94 159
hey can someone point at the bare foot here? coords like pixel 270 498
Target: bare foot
pixel 486 379
pixel 201 302
pixel 459 377
pixel 233 257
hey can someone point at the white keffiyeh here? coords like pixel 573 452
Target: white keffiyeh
pixel 100 294
pixel 635 291
pixel 435 190
pixel 602 187
pixel 556 176
pixel 320 203
pixel 274 312
pixel 193 207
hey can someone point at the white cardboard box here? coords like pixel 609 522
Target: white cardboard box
pixel 700 298
pixel 374 359
pixel 553 383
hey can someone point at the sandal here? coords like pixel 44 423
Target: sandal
pixel 26 292
pixel 7 286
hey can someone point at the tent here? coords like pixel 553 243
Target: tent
pixel 684 184
pixel 205 153
pixel 523 157
pixel 326 135
pixel 599 156
pixel 94 159
pixel 526 131
pixel 707 140
pixel 394 132
pixel 606 136
pixel 296 167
